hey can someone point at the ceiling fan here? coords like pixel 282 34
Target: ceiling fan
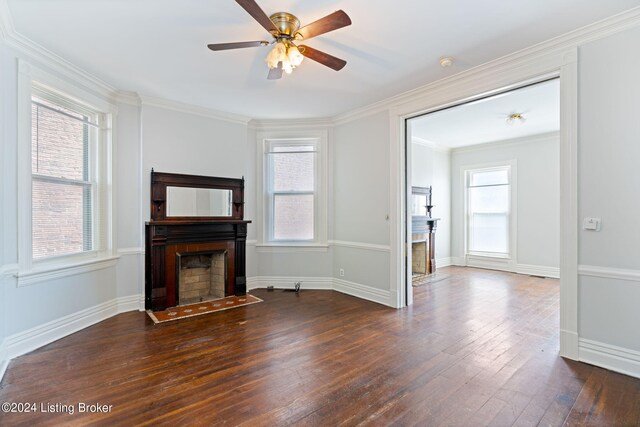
pixel 285 29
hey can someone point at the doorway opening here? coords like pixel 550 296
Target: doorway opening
pixel 483 186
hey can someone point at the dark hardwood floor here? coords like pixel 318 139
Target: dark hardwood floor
pixel 478 348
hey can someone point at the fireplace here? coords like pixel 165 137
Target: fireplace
pixel 201 277
pixel 194 258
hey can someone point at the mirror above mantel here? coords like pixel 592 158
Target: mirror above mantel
pixel 179 197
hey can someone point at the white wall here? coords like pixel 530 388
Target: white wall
pixel 432 166
pixel 538 196
pixel 361 201
pixel 30 312
pixel 609 100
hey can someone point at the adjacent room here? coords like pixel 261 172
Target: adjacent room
pixel 260 212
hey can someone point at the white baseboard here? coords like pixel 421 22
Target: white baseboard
pixel 501 264
pixel 31 339
pixel 369 293
pixel 4 358
pixel 323 283
pixel 569 345
pixel 458 261
pixel 443 262
pixel 538 270
pixel 611 357
pixel 280 282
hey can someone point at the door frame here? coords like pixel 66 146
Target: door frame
pixel 478 83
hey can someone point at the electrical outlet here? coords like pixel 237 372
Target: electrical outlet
pixel 342 272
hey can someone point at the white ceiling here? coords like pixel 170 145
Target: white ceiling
pixel 158 47
pixel 485 120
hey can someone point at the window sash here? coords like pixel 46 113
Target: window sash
pixel 90 214
pixel 506 213
pixel 272 194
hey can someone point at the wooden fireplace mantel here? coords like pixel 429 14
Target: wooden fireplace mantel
pixel 167 238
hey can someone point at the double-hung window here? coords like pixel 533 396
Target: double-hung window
pixel 488 211
pixel 63 177
pixel 294 204
pixel 65 182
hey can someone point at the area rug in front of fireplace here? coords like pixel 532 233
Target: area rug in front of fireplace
pixel 184 311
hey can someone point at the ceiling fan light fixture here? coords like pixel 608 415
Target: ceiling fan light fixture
pixel 294 55
pixel 515 118
pixel 276 55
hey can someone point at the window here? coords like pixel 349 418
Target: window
pixel 63 178
pixel 294 203
pixel 488 214
pixel 65 206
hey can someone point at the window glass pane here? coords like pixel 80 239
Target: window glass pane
pixel 292 171
pixel 489 199
pixel 61 218
pixel 293 217
pixel 59 145
pixel 491 177
pixel 489 232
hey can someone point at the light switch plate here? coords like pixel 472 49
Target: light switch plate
pixel 592 224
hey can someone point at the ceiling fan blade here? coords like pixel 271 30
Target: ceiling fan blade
pixel 275 73
pixel 236 45
pixel 323 58
pixel 337 19
pixel 258 14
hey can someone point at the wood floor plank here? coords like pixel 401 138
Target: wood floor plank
pixel 477 348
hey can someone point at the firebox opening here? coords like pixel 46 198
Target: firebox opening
pixel 201 277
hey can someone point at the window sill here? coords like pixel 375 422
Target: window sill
pixel 52 272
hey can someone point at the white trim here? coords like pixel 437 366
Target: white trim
pixel 359 290
pixel 529 66
pixel 381 296
pixel 429 144
pixel 320 138
pixel 4 358
pixel 609 273
pixel 531 55
pixel 8 270
pixel 58 272
pixel 167 104
pixel 36 337
pixel 489 263
pixel 360 245
pixel 282 282
pixel 130 251
pixel 47 58
pixel 618 359
pixel 444 262
pixel 289 248
pixel 538 270
pixel 458 261
pixel 542 137
pixel 129 98
pixel 290 124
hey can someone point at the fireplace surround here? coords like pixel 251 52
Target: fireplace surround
pixel 172 240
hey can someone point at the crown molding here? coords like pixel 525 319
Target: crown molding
pixel 430 144
pixel 541 137
pixel 274 124
pixel 561 45
pixel 129 98
pixel 38 53
pixel 152 101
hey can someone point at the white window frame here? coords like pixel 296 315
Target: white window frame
pixel 265 141
pixel 34 81
pixel 488 259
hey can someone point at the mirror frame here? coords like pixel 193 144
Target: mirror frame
pixel 161 180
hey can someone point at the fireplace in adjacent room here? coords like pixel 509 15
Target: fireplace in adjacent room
pixel 201 276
